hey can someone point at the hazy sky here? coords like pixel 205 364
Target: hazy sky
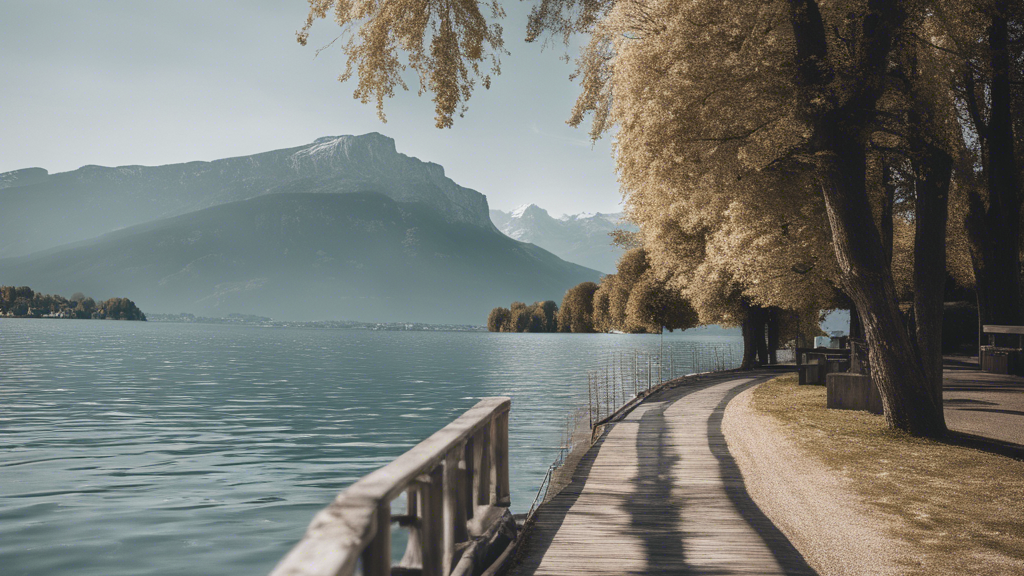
pixel 115 82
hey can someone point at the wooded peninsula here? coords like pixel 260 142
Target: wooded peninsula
pixel 23 302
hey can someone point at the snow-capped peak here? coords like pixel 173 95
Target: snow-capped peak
pixel 522 210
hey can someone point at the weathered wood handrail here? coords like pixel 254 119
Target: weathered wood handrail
pixel 445 488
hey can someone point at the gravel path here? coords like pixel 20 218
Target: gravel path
pixel 837 534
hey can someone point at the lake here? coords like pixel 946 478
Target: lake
pixel 131 448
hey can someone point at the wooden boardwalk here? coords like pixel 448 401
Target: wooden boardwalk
pixel 660 494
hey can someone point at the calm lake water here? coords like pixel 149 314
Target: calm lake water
pixel 132 448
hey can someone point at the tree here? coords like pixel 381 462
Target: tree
pixel 722 107
pixel 636 300
pixel 85 308
pixel 982 45
pixel 119 309
pixel 753 100
pixel 19 307
pixel 498 319
pixel 519 319
pixel 549 310
pixel 577 311
pixel 461 44
pixel 538 322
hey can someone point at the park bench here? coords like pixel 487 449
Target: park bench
pixel 1004 353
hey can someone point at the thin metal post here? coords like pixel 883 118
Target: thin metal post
pixel 590 400
pixel 636 376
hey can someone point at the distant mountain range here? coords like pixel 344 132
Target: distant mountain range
pixel 41 210
pixel 345 228
pixel 579 238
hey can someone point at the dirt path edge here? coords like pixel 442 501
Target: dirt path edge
pixel 815 507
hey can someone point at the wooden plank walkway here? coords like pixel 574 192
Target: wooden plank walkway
pixel 660 494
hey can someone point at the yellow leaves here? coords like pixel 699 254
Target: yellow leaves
pixel 381 33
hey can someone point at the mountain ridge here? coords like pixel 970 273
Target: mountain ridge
pixel 43 210
pixel 581 238
pixel 307 256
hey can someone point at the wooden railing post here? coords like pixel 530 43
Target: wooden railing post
pixel 445 477
pixel 377 555
pixel 501 491
pixel 432 529
pixel 467 496
pixel 413 549
pixel 482 466
pixel 454 510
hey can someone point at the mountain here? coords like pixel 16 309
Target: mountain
pixel 579 238
pixel 39 210
pixel 308 256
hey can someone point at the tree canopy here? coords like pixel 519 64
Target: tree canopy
pixel 25 302
pixel 537 317
pixel 788 155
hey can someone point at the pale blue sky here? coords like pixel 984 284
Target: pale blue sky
pixel 114 82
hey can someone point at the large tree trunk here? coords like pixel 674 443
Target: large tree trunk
pixel 933 168
pixel 856 326
pixel 993 223
pixel 755 351
pixel 773 335
pixel 888 202
pixel 895 366
pixel 840 130
pixel 749 344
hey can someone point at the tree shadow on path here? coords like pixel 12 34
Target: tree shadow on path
pixel 787 556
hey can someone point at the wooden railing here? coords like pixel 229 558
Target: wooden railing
pixel 456 482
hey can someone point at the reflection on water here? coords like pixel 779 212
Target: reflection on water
pixel 146 448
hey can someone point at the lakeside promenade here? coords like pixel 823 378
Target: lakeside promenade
pixel 659 493
pixel 662 491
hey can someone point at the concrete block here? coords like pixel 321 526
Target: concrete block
pixel 813 369
pixel 852 392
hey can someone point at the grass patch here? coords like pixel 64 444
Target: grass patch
pixel 958 510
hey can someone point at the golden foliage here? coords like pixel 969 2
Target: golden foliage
pixel 448 44
pixel 577 311
pixel 637 300
pixel 710 148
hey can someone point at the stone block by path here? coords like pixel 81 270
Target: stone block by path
pixel 852 392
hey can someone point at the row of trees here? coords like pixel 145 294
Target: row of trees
pixel 22 301
pixel 779 155
pixel 537 317
pixel 775 150
pixel 637 300
pixel 632 300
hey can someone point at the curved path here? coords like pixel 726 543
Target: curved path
pixel 659 493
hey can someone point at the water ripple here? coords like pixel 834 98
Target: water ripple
pixel 158 449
